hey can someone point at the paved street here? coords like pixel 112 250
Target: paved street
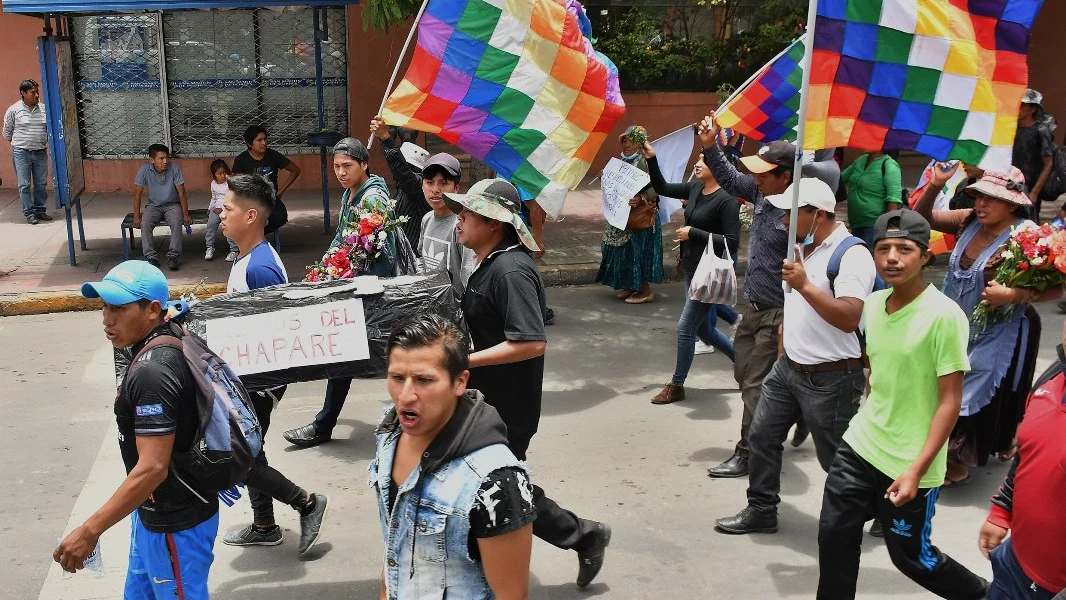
pixel 603 451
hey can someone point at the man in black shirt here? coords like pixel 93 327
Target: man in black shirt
pixel 1034 148
pixel 504 310
pixel 259 159
pixel 174 525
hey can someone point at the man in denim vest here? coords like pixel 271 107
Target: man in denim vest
pixel 441 456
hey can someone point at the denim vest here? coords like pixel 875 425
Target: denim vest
pixel 426 552
pixel 991 351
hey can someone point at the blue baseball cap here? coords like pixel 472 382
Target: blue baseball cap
pixel 128 282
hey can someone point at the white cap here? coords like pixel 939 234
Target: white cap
pixel 415 156
pixel 813 192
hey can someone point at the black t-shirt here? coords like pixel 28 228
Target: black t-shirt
pixel 272 162
pixel 504 503
pixel 504 300
pixel 1031 144
pixel 158 398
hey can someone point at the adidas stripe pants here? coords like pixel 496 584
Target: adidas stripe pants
pixel 854 494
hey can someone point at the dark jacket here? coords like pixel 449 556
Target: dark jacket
pixel 410 201
pixel 714 218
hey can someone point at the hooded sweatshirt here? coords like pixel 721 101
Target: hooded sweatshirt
pixel 448 481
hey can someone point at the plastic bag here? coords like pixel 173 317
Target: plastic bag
pixel 715 281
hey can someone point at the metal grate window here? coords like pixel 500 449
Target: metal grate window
pixel 116 63
pixel 224 70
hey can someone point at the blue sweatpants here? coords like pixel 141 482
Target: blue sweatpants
pixel 170 566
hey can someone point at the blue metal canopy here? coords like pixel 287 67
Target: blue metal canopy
pixel 99 6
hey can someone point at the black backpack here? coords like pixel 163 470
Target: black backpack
pixel 228 435
pixel 1056 181
pixel 279 216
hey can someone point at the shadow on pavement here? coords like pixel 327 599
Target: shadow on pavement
pixel 258 589
pixel 359 446
pixel 575 400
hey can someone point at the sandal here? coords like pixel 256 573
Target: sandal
pixel 1009 454
pixel 622 295
pixel 949 483
pixel 641 299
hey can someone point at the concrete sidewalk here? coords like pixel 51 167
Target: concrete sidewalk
pixel 39 279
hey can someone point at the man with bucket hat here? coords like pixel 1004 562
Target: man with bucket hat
pixel 504 310
pixel 174 527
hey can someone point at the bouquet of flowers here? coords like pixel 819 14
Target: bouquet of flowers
pixel 1034 258
pixel 365 240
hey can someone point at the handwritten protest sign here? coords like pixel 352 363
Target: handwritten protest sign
pixel 291 337
pixel 619 182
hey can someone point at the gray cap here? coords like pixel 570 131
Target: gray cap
pixel 352 147
pixel 902 223
pixel 443 161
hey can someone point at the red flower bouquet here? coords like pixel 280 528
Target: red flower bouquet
pixel 365 241
pixel 1034 258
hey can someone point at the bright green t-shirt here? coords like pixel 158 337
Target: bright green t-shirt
pixel 870 188
pixel 908 351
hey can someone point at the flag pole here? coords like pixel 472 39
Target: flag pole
pixel 399 61
pixel 756 75
pixel 797 169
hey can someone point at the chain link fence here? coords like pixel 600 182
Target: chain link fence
pixel 224 70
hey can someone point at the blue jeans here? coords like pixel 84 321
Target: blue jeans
pixel 1009 581
pixel 31 164
pixel 213 220
pixel 697 319
pixel 866 234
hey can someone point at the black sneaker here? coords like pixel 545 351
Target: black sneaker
pixel 250 536
pixel 32 219
pixel 549 317
pixel 154 262
pixel 173 263
pixel 44 217
pixel 311 525
pixel 590 560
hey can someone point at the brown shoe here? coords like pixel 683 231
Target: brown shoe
pixel 670 393
pixel 622 295
pixel 634 299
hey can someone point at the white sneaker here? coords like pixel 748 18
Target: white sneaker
pixel 232 256
pixel 702 348
pixel 209 254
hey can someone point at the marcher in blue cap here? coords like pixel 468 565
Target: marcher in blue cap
pixel 175 525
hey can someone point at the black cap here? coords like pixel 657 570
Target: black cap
pixel 352 147
pixel 902 223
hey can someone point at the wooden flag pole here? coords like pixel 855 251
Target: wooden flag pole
pixel 797 169
pixel 399 61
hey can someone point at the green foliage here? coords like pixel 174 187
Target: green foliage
pixel 383 14
pixel 634 45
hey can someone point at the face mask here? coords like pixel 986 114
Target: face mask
pixel 809 239
pixel 630 156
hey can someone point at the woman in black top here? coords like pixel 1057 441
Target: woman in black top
pixel 712 215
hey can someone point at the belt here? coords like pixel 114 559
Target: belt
pixel 844 364
pixel 761 306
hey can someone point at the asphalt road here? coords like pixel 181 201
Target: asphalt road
pixel 602 451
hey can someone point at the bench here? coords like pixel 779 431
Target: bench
pixel 199 217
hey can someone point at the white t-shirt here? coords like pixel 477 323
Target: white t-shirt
pixel 808 338
pixel 262 267
pixel 218 194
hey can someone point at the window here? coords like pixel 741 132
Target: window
pixel 224 70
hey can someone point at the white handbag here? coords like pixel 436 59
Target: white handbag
pixel 715 281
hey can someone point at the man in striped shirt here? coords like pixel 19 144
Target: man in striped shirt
pixel 24 127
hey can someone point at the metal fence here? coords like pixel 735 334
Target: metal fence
pixel 224 70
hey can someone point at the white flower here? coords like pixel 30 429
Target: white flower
pixel 1036 262
pixel 1042 242
pixel 1007 254
pixel 381 235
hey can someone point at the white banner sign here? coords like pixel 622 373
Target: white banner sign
pixel 620 182
pixel 292 337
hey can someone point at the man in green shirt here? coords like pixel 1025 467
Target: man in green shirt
pixel 892 461
pixel 875 186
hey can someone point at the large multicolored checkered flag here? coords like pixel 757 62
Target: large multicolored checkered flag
pixel 941 77
pixel 517 84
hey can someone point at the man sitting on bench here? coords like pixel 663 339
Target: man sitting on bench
pixel 166 202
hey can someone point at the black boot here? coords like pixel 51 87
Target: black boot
pixel 735 466
pixel 748 521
